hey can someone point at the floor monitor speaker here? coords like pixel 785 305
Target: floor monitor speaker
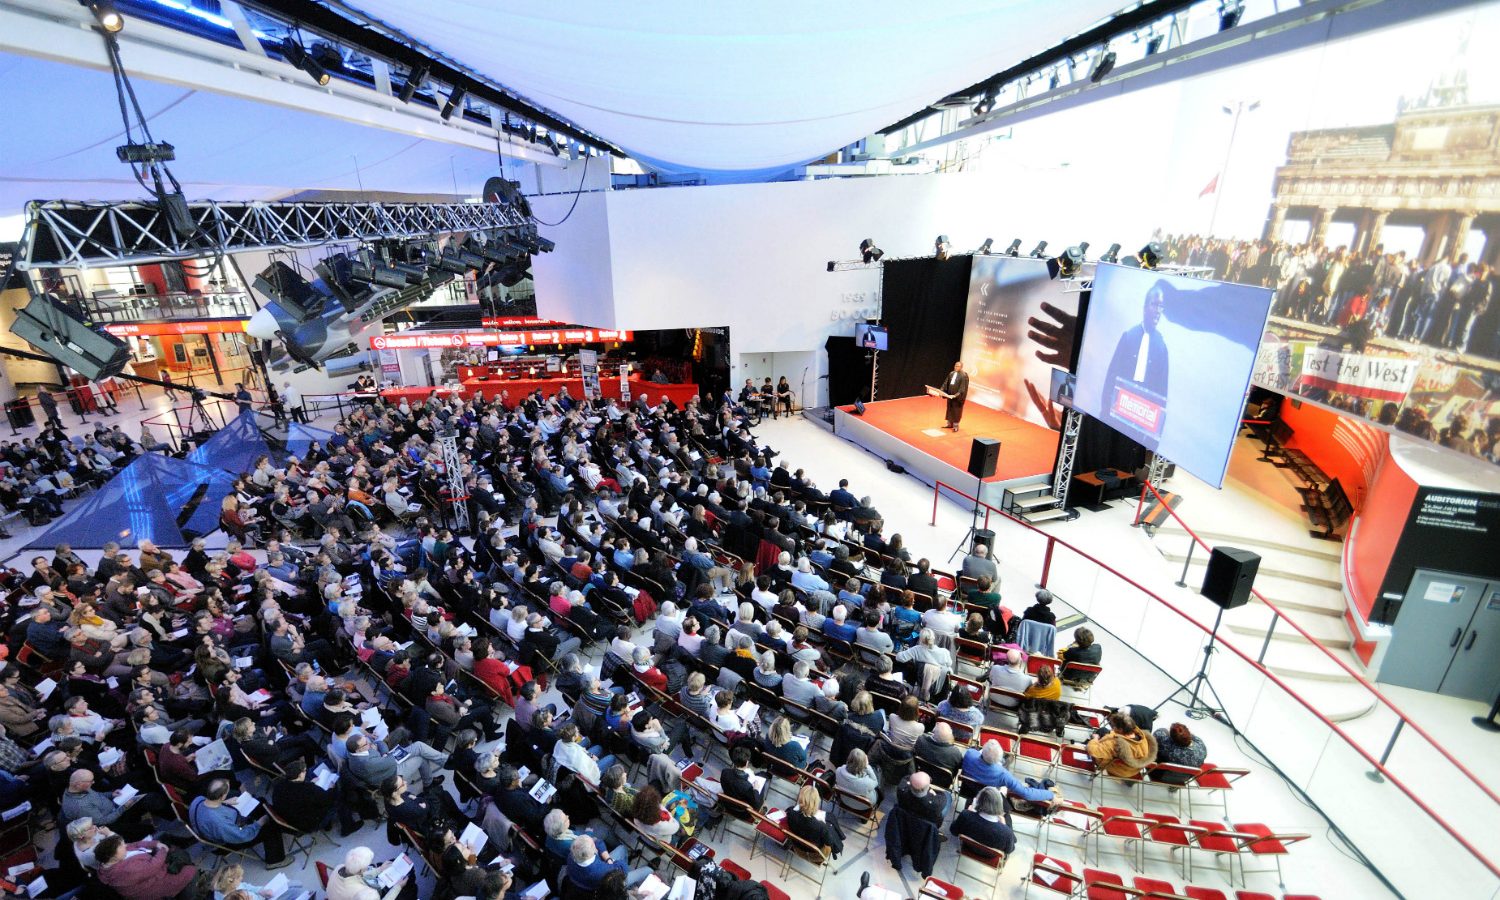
pixel 1230 576
pixel 984 453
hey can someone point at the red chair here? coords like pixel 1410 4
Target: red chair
pixel 1212 779
pixel 1203 893
pixel 323 874
pixel 1101 885
pixel 1075 760
pixel 1155 887
pixel 1169 832
pixel 773 892
pixel 990 861
pixel 1072 823
pixel 735 869
pixel 1038 753
pixel 1126 827
pixel 1216 838
pixel 1053 876
pixel 941 890
pixel 1267 843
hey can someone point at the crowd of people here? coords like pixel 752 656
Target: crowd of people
pixel 374 666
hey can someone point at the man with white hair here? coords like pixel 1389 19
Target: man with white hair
pixel 1011 676
pixel 587 867
pixel 986 766
pixel 979 563
pixel 926 650
pixel 798 687
pixel 347 882
pixel 836 628
pixel 942 619
pixel 805 579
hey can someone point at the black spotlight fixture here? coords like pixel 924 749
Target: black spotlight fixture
pixel 455 101
pixel 1153 44
pixel 1103 65
pixel 106 15
pixel 293 53
pixel 1041 251
pixel 1014 249
pixel 1151 254
pixel 449 261
pixel 984 248
pixel 1112 255
pixel 1069 262
pixel 414 81
pixel 869 252
pixel 1229 14
pixel 986 104
pixel 942 246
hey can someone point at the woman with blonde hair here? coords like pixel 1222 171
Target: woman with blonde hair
pixel 784 746
pixel 807 821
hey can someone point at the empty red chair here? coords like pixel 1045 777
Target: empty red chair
pixel 1253 895
pixel 1052 875
pixel 1101 885
pixel 1267 843
pixel 1172 834
pixel 1202 893
pixel 941 890
pixel 1154 885
pixel 1126 827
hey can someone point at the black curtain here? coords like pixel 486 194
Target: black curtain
pixel 923 303
pixel 1102 447
pixel 848 371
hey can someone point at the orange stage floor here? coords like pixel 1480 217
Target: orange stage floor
pixel 1026 450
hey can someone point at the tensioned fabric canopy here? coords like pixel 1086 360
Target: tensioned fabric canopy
pixel 737 87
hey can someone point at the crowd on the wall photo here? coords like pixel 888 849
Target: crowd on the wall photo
pixel 1444 315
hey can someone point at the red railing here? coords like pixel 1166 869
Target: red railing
pixel 1377 765
pixel 1402 720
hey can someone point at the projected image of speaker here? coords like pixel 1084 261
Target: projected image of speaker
pixel 984 454
pixel 61 333
pixel 1230 576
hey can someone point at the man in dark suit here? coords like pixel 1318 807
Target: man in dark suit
pixel 516 804
pixel 956 388
pixel 1139 369
pixel 918 797
pixel 921 580
pixel 841 498
pixel 735 780
pixel 305 806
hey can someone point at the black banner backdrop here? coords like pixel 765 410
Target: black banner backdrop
pixel 923 303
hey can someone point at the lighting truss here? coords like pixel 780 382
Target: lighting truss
pixel 61 234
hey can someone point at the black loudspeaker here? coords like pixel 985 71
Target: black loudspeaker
pixel 1230 576
pixel 984 453
pixel 986 537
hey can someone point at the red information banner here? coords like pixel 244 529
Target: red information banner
pixel 154 329
pixel 520 322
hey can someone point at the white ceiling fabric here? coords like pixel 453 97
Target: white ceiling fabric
pixel 732 87
pixel 227 148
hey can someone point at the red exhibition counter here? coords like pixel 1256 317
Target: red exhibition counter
pixel 490 388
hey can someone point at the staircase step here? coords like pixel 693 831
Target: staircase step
pixel 1274 570
pixel 1038 484
pixel 1235 539
pixel 1331 633
pixel 1034 502
pixel 1044 515
pixel 1342 701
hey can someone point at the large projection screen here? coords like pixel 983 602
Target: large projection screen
pixel 1018 325
pixel 1166 361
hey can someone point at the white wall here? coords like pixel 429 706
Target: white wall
pixel 754 256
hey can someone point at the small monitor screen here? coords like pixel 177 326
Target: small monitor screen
pixel 872 337
pixel 1064 383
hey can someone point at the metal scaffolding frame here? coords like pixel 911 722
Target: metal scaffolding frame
pixel 1062 478
pixel 63 234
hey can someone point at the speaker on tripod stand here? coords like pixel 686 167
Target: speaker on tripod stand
pixel 1227 584
pixel 984 456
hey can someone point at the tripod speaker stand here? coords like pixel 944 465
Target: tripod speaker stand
pixel 984 455
pixel 1228 582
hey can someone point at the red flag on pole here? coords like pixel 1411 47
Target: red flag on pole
pixel 1210 187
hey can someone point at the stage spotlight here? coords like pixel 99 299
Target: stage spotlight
pixel 1014 249
pixel 1054 81
pixel 414 81
pixel 455 102
pixel 942 246
pixel 1229 14
pixel 1151 254
pixel 1153 44
pixel 986 104
pixel 1040 251
pixel 293 53
pixel 1111 255
pixel 377 274
pixel 868 251
pixel 498 251
pixel 1068 264
pixel 106 15
pixel 984 248
pixel 1103 65
pixel 449 261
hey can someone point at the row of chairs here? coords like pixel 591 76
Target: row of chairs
pixel 1059 879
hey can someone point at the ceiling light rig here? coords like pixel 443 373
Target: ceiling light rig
pixel 1069 262
pixel 455 102
pixel 1103 65
pixel 1111 255
pixel 869 252
pixel 415 78
pixel 106 15
pixel 984 248
pixel 1014 249
pixel 1040 251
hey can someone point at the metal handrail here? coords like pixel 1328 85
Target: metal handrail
pixel 1379 766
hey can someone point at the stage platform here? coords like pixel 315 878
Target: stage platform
pixel 909 432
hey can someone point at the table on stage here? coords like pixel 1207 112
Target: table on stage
pixel 1102 485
